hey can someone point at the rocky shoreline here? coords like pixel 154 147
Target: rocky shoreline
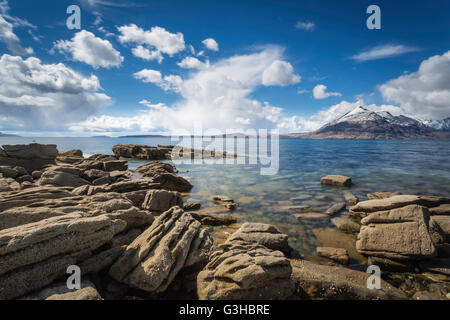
pixel 134 236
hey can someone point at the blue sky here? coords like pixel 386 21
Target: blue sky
pixel 295 46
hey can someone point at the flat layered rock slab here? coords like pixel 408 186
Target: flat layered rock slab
pixel 333 282
pixel 33 255
pixel 363 208
pixel 398 234
pixel 345 224
pixel 336 180
pixel 336 208
pixel 261 233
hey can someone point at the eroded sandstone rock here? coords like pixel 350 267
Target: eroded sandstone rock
pixel 33 255
pixel 398 234
pixel 242 270
pixel 261 233
pixel 153 259
pixel 333 282
pixel 159 201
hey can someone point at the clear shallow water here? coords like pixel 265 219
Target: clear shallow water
pixel 411 167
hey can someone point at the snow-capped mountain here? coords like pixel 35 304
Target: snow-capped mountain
pixel 441 125
pixel 362 123
pixel 362 114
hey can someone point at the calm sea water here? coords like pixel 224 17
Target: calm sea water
pixel 411 167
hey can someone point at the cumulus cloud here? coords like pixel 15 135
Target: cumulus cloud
pixel 305 25
pixel 46 97
pixel 192 63
pixel 158 38
pixel 219 97
pixel 10 39
pixel 280 73
pixel 320 92
pixel 211 44
pixel 86 47
pixel 146 54
pixel 425 93
pixel 382 52
pixel 170 82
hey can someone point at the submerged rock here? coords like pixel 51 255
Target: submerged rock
pixel 350 198
pixel 336 208
pixel 333 282
pixel 345 224
pixel 336 254
pixel 398 234
pixel 381 195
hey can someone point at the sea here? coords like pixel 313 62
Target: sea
pixel 406 166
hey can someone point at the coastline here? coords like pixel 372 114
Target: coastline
pixel 43 188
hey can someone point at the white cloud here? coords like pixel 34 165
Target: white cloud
pixel 280 73
pixel 425 93
pixel 10 39
pixel 192 63
pixel 157 37
pixel 47 97
pixel 86 47
pixel 170 82
pixel 146 54
pixel 219 97
pixel 305 25
pixel 382 52
pixel 320 92
pixel 148 76
pixel 211 44
pixel 105 32
pixel 302 91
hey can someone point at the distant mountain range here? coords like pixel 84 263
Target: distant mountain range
pixel 7 135
pixel 362 123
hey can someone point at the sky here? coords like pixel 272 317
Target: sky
pixel 155 67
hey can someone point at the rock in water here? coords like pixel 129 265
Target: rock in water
pixel 336 254
pixel 336 180
pixel 398 234
pixel 350 198
pixel 345 224
pixel 381 195
pixel 242 270
pixel 336 208
pixel 332 282
pixel 153 259
pixel 264 234
pixel 363 208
